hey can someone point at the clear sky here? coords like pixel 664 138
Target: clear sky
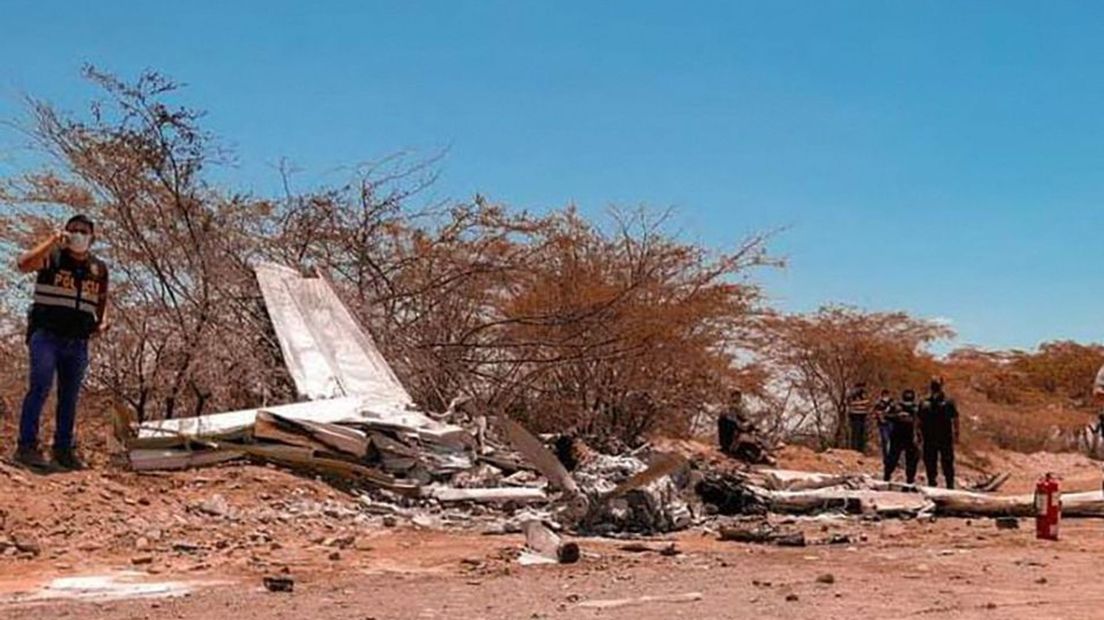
pixel 945 158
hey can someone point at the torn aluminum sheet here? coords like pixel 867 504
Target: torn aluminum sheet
pixel 657 506
pixel 145 460
pixel 349 410
pixel 520 495
pixel 325 349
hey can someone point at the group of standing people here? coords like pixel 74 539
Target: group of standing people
pixel 908 427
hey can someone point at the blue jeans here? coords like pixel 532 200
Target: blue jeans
pixel 884 434
pixel 67 359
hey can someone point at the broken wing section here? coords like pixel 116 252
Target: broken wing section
pixel 326 351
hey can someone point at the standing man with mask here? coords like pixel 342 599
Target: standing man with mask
pixel 70 304
pixel 939 433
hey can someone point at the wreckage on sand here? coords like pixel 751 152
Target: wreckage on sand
pixel 358 424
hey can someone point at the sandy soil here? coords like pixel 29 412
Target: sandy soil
pixel 950 569
pixel 219 531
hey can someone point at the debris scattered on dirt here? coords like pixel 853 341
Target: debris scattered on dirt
pixel 689 597
pixel 762 533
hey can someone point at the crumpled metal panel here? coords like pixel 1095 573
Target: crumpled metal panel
pixel 325 349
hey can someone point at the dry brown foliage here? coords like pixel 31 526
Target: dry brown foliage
pixel 615 331
pixel 1029 401
pixel 819 357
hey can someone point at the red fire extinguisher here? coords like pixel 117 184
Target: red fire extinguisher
pixel 1048 508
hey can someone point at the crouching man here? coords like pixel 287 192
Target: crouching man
pixel 70 302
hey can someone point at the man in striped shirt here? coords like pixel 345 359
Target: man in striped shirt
pixel 70 304
pixel 858 410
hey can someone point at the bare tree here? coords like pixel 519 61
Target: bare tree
pixel 820 356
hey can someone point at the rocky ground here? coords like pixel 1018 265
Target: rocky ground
pixel 209 537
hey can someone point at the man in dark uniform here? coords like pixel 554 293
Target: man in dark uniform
pixel 858 409
pixel 902 437
pixel 729 420
pixel 70 303
pixel 939 433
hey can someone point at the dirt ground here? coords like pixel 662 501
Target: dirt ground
pixel 951 569
pixel 200 543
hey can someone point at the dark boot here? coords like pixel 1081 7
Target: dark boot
pixel 67 459
pixel 32 459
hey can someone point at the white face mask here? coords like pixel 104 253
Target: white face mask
pixel 79 242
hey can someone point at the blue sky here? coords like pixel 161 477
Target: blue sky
pixel 942 158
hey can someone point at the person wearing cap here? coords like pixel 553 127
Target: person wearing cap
pixel 939 433
pixel 69 307
pixel 902 437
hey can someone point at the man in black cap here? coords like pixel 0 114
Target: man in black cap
pixel 70 304
pixel 939 433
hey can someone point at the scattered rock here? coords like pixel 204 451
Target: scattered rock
pixel 827 578
pixel 141 560
pixel 791 598
pixel 27 544
pixel 335 556
pixel 342 542
pixel 279 583
pixel 215 506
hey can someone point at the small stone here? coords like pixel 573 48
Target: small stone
pixel 791 598
pixel 826 578
pixel 185 547
pixel 279 583
pixel 990 605
pixel 141 560
pixel 27 544
pixel 215 506
pixel 1041 580
pixel 390 521
pixel 335 556
pixel 142 544
pixel 343 542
